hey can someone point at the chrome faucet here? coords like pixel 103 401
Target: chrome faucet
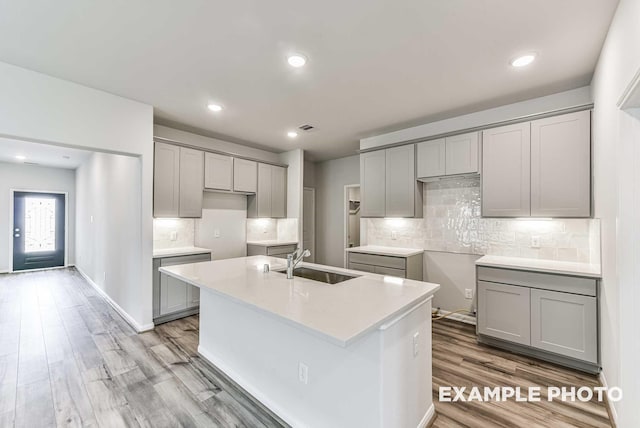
pixel 293 259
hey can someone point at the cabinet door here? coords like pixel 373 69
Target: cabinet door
pixel 506 163
pixel 263 195
pixel 191 182
pixel 381 270
pixel 462 154
pixel 504 312
pixel 400 182
pixel 193 296
pixel 166 180
pixel 278 192
pixel 361 267
pixel 564 323
pixel 561 166
pixel 245 175
pixel 372 184
pixel 431 158
pixel 218 171
pixel 173 294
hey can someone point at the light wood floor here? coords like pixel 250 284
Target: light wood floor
pixel 68 359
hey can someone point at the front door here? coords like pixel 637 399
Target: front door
pixel 38 230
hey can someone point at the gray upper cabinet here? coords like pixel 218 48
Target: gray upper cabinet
pixel 372 184
pixel 245 175
pixel 431 158
pixel 506 162
pixel 270 200
pixel 401 187
pixel 462 154
pixel 166 180
pixel 561 166
pixel 388 185
pixel 218 172
pixel 191 182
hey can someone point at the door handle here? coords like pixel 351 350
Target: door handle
pixel 17 235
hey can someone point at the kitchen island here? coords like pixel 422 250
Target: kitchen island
pixel 355 353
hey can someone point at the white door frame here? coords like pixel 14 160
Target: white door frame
pixel 345 225
pixel 66 223
pixel 313 220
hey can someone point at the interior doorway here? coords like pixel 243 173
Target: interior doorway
pixel 351 216
pixel 39 230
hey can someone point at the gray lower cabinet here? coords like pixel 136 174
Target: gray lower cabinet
pixel 549 316
pixel 172 298
pixel 409 267
pixel 280 251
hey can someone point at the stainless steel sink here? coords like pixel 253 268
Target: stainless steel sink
pixel 321 275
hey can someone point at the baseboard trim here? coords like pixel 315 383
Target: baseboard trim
pixel 467 319
pixel 128 318
pixel 610 407
pixel 428 417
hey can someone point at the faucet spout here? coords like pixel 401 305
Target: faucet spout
pixel 293 259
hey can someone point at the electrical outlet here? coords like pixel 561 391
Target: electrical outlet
pixel 216 233
pixel 468 293
pixel 394 234
pixel 104 276
pixel 91 218
pixel 535 242
pixel 173 236
pixel 303 373
pixel 416 343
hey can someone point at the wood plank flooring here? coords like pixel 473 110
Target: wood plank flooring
pixel 68 359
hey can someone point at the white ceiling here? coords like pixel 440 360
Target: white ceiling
pixel 374 66
pixel 41 154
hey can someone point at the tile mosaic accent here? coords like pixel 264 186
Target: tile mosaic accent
pixel 452 223
pixel 162 228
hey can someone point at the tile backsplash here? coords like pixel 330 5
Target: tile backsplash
pixel 267 229
pixel 452 223
pixel 184 229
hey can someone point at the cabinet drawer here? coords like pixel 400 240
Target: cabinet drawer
pixel 281 250
pixel 504 312
pixel 566 324
pixel 381 270
pixel 183 260
pixel 377 260
pixel 361 267
pixel 545 281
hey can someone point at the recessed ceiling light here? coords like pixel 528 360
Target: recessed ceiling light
pixel 214 107
pixel 292 134
pixel 523 60
pixel 297 60
pixel 21 157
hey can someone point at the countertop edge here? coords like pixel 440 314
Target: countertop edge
pixel 386 251
pixel 551 270
pixel 180 252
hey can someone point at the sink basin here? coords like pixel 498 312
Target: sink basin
pixel 321 275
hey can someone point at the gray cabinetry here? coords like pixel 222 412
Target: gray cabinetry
pixel 177 181
pixel 505 312
pixel 218 172
pixel 457 155
pixel 372 184
pixel 270 200
pixel 166 180
pixel 409 267
pixel 549 316
pixel 506 163
pixel 275 250
pixel 388 185
pixel 561 166
pixel 172 298
pixel 245 175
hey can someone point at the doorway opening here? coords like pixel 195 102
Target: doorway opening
pixel 351 217
pixel 39 230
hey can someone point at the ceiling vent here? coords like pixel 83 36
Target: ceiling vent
pixel 306 127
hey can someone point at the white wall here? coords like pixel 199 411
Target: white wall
pixel 226 214
pixel 40 108
pixel 561 100
pixel 31 177
pixel 331 177
pixel 616 149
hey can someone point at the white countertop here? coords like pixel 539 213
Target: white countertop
pixel 386 251
pixel 182 251
pixel 538 265
pixel 271 243
pixel 340 313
